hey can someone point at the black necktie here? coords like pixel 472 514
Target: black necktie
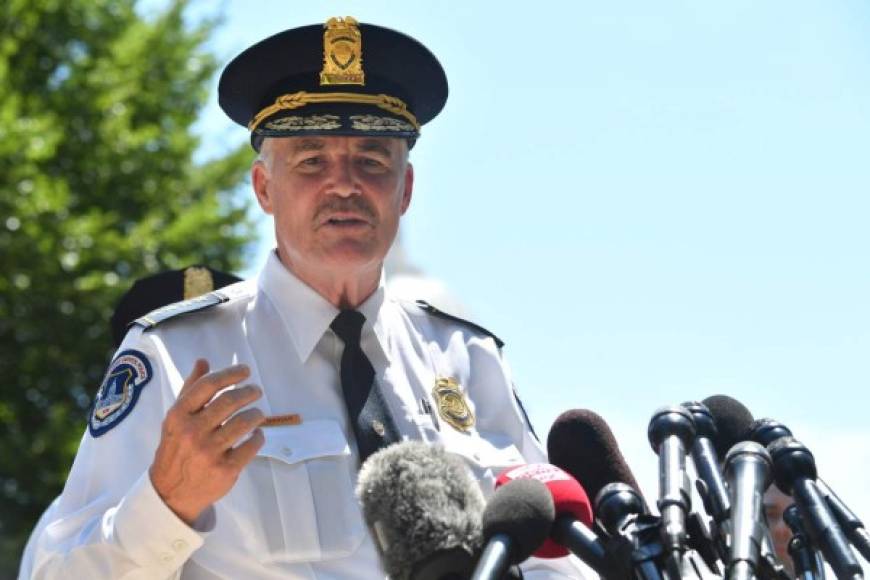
pixel 371 421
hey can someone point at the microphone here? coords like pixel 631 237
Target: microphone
pixel 571 530
pixel 671 431
pixel 803 556
pixel 732 419
pixel 747 470
pixel 616 505
pixel 516 521
pixel 795 474
pixel 424 509
pixel 852 526
pixel 706 462
pixel 635 539
pixel 581 443
pixel 766 431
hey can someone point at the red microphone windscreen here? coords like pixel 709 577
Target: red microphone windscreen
pixel 569 497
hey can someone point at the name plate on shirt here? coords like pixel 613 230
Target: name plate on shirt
pixel 283 420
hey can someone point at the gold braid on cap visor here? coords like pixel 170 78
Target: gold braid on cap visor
pixel 302 98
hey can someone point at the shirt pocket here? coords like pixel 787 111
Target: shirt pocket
pixel 296 499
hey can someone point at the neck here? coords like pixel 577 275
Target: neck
pixel 344 290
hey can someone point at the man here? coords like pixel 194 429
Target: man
pixel 227 434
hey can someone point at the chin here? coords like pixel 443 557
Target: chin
pixel 352 257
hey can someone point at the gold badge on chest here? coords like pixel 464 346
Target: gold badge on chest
pixel 452 406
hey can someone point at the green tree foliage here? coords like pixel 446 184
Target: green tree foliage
pixel 98 186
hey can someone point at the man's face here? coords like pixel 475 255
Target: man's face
pixel 336 200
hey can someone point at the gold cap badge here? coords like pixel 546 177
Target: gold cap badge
pixel 452 406
pixel 342 53
pixel 197 281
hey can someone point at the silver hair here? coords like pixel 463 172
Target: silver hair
pixel 264 155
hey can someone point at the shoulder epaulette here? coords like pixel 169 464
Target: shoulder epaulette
pixel 164 313
pixel 441 314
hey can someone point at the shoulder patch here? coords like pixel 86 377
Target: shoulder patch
pixel 164 313
pixel 127 375
pixel 441 314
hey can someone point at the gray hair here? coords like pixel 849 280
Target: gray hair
pixel 265 155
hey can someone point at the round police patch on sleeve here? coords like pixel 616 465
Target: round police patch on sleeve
pixel 127 375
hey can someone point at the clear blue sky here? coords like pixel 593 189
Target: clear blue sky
pixel 649 201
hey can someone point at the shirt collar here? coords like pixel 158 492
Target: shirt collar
pixel 305 313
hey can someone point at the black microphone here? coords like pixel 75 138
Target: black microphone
pixel 732 419
pixel 635 545
pixel 583 542
pixel 852 526
pixel 747 470
pixel 795 474
pixel 581 443
pixel 616 505
pixel 671 432
pixel 571 531
pixel 706 462
pixel 805 559
pixel 516 521
pixel 766 431
pixel 424 509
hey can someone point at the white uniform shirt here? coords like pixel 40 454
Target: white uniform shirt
pixel 292 513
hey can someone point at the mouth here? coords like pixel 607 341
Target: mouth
pixel 346 222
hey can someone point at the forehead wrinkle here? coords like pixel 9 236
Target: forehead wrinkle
pixel 308 144
pixel 374 144
pixel 380 145
pixel 386 146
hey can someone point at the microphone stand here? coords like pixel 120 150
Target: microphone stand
pixel 807 565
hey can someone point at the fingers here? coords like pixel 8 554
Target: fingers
pixel 200 368
pixel 227 403
pixel 244 453
pixel 200 388
pixel 240 425
pixel 195 463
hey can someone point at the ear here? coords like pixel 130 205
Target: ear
pixel 260 181
pixel 409 187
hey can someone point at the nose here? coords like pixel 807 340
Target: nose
pixel 344 183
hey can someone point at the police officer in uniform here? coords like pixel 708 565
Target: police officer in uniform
pixel 227 434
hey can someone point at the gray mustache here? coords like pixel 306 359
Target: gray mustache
pixel 351 204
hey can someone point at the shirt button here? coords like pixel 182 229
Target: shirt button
pixel 287 451
pixel 378 427
pixel 179 545
pixel 167 557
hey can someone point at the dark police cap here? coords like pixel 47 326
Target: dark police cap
pixel 153 292
pixel 341 78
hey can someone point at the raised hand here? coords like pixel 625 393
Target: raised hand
pixel 198 460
